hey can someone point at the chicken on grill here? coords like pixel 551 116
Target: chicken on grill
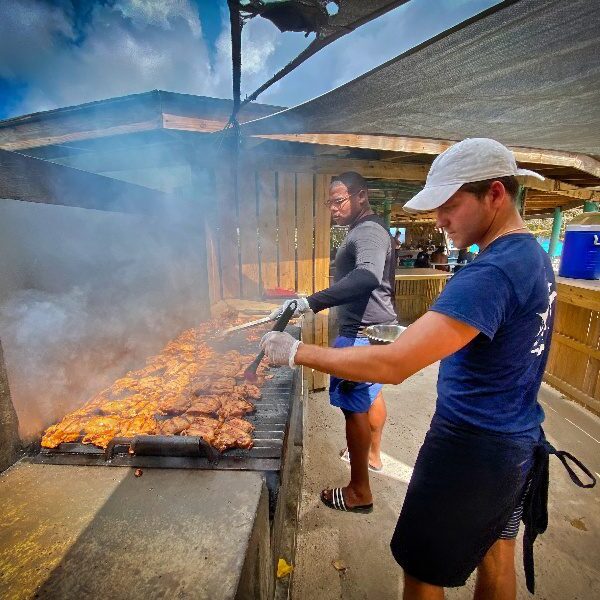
pixel 190 388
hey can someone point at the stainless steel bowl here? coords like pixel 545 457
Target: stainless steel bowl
pixel 383 334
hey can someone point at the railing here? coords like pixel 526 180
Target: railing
pixel 574 363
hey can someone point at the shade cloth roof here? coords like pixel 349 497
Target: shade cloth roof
pixel 351 14
pixel 524 72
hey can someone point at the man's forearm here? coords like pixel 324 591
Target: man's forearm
pixel 371 363
pixel 429 339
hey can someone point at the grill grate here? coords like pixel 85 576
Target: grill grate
pixel 270 419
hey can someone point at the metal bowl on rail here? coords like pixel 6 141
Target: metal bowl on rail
pixel 383 334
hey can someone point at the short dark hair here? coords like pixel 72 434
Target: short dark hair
pixel 353 181
pixel 481 188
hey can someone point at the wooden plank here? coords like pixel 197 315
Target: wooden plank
pixel 35 180
pixel 308 337
pixel 559 338
pixel 211 235
pixel 321 334
pixel 286 226
pixel 376 169
pixel 192 123
pixel 267 225
pixel 322 232
pixel 228 235
pixel 579 296
pixel 248 224
pixel 572 392
pixel 321 267
pixel 305 232
pixel 404 144
pixel 561 188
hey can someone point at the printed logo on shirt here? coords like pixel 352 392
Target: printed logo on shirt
pixel 539 344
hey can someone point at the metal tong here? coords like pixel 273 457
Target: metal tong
pixel 280 325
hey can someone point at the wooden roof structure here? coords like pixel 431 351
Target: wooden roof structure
pixel 162 128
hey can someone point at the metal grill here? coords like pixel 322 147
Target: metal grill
pixel 270 419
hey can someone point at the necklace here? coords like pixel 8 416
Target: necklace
pixel 503 234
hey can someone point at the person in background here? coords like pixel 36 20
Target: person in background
pixel 439 257
pixel 363 291
pixel 491 328
pixel 422 260
pixel 465 256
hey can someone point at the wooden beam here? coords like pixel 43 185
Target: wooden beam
pixel 326 165
pixel 35 180
pixel 182 123
pixel 392 143
pixel 561 188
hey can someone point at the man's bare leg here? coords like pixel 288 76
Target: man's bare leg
pixel 358 438
pixel 496 578
pixel 419 590
pixel 377 416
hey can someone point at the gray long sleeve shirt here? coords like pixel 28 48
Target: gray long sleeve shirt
pixel 364 278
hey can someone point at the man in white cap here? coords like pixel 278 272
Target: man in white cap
pixel 491 329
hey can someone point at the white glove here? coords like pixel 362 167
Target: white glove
pixel 302 308
pixel 280 347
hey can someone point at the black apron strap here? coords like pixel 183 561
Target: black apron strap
pixel 535 504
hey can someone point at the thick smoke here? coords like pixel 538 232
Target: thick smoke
pixel 86 295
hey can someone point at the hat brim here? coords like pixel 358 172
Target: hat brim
pixel 430 198
pixel 528 173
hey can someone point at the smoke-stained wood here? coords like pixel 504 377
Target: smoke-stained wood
pixel 248 233
pixel 9 423
pixel 35 180
pixel 267 223
pixel 305 231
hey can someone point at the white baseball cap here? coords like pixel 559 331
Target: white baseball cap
pixel 473 159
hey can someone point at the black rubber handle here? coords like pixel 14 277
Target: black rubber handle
pixel 280 325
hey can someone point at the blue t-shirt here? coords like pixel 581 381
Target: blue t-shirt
pixel 508 294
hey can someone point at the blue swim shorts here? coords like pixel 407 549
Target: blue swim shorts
pixel 349 395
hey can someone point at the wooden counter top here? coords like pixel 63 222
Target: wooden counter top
pixel 416 274
pixel 586 284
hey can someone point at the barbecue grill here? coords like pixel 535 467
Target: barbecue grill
pixel 270 419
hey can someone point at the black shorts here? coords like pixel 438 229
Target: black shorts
pixel 465 487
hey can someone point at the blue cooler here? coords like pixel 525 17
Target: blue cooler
pixel 581 250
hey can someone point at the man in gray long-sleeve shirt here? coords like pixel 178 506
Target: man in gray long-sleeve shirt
pixel 363 290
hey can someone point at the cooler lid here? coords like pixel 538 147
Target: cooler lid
pixel 587 220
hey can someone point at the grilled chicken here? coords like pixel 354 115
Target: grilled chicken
pixel 205 405
pixel 204 427
pixel 234 407
pixel 229 435
pixel 189 381
pixel 173 426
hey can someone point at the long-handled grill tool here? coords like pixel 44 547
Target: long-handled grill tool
pixel 244 326
pixel 280 325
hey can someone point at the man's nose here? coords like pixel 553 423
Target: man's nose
pixel 440 222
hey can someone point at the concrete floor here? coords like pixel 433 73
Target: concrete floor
pixel 567 555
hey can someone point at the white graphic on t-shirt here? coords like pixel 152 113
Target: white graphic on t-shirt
pixel 539 345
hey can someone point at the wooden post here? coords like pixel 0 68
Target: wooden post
pixel 555 231
pixel 9 423
pixel 387 212
pixel 590 206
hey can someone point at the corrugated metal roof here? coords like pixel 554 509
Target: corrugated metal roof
pixel 524 72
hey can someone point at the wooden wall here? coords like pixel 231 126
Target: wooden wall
pixel 275 235
pixel 574 362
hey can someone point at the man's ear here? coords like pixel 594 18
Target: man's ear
pixel 498 194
